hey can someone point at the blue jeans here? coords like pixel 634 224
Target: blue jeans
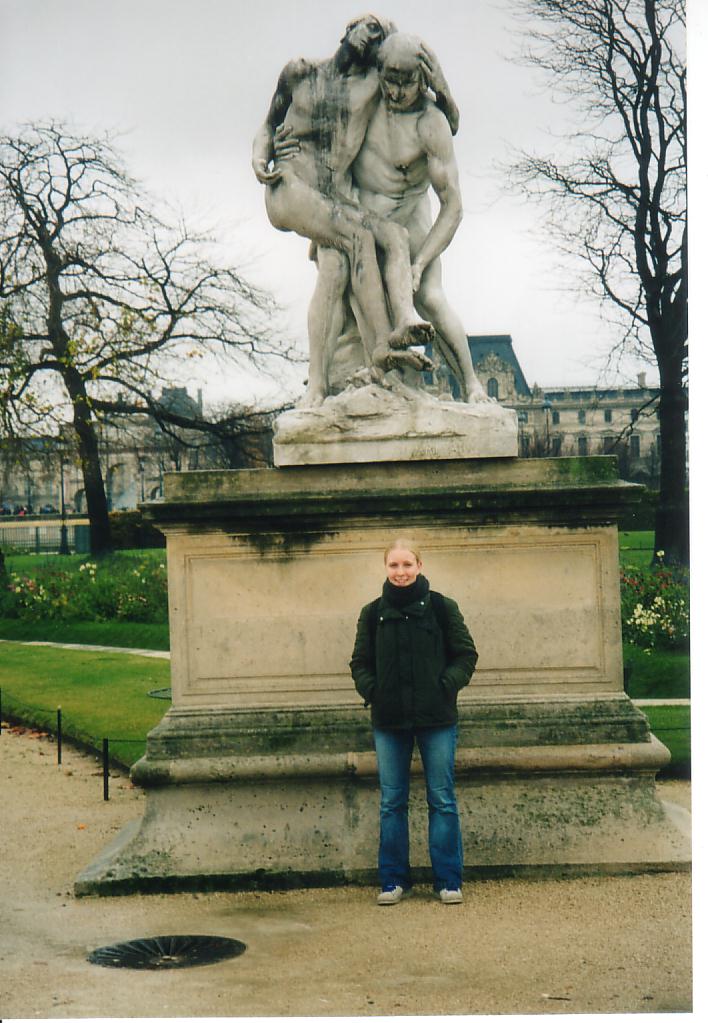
pixel 394 749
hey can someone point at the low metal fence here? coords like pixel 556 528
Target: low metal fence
pixel 54 729
pixel 42 537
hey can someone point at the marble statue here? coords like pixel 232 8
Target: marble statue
pixel 349 151
pixel 408 148
pixel 313 133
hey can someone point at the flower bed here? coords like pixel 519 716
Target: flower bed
pixel 123 588
pixel 655 607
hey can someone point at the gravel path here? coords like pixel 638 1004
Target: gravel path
pixel 594 945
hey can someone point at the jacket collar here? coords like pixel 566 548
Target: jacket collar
pixel 416 608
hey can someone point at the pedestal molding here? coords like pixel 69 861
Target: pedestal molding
pixel 589 758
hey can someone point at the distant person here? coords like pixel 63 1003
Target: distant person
pixel 412 655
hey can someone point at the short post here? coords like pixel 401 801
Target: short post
pixel 58 735
pixel 105 770
pixel 0 710
pixel 63 534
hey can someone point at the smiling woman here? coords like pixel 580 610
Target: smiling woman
pixel 413 653
pixel 403 562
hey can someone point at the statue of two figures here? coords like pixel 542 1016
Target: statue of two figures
pixel 349 151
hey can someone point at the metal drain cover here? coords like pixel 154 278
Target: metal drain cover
pixel 168 952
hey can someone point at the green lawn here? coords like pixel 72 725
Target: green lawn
pixel 143 635
pixel 672 725
pixel 636 549
pixel 100 694
pixel 656 674
pixel 25 563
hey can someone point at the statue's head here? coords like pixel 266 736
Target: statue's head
pixel 363 36
pixel 402 80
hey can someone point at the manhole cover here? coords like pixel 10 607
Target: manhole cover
pixel 161 694
pixel 168 952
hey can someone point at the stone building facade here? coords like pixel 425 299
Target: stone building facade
pixel 42 474
pixel 570 420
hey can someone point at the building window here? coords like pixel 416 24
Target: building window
pixel 523 416
pixel 634 445
pixel 556 417
pixel 556 444
pixel 634 414
pixel 581 415
pixel 493 387
pixel 608 415
pixel 582 445
pixel 608 444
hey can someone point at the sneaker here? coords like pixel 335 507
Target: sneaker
pixel 450 896
pixel 390 894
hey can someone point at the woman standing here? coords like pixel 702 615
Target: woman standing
pixel 413 653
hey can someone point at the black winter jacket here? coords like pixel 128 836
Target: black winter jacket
pixel 412 673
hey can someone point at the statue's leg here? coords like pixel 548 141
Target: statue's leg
pixel 433 305
pixel 294 206
pixel 325 320
pixel 408 328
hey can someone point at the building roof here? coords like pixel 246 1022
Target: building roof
pixel 502 346
pixel 178 401
pixel 587 393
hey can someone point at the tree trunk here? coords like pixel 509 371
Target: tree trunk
pixel 96 503
pixel 671 534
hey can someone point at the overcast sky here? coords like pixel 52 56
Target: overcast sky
pixel 189 83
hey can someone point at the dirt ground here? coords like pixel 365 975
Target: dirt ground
pixel 592 945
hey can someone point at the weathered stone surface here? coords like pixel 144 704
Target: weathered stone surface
pixel 293 821
pixel 276 506
pixel 193 733
pixel 398 423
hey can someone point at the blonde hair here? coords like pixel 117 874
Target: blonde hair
pixel 403 543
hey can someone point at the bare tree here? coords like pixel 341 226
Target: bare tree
pixel 615 194
pixel 101 297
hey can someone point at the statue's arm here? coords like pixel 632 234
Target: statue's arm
pixel 263 144
pixel 436 139
pixel 436 81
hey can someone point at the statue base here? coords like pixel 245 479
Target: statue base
pixel 262 773
pixel 282 800
pixel 392 422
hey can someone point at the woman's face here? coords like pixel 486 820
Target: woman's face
pixel 402 567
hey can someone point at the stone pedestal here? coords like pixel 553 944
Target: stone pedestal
pixel 263 771
pixel 393 423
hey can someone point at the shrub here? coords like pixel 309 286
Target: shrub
pixel 122 587
pixel 640 515
pixel 655 607
pixel 129 530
